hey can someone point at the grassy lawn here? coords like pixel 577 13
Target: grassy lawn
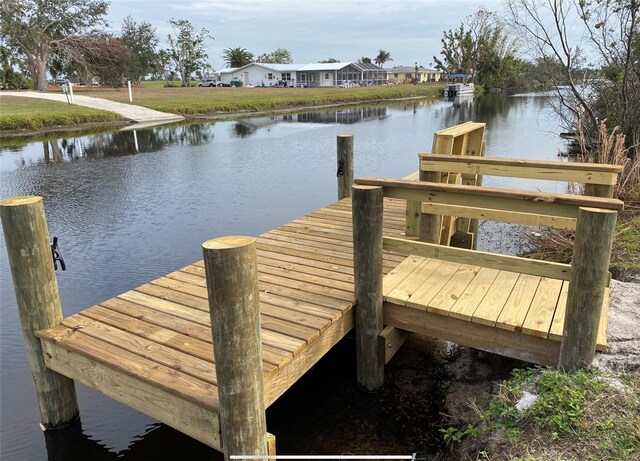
pixel 34 114
pixel 191 101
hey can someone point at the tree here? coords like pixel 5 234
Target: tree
pixel 328 61
pixel 142 41
pixel 237 57
pixel 610 27
pixel 480 48
pixel 383 56
pixel 36 28
pixel 279 56
pixel 186 49
pixel 365 60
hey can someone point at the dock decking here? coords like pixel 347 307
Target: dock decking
pixel 151 347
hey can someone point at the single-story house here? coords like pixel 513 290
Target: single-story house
pixel 406 74
pixel 309 75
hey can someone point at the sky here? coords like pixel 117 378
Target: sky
pixel 312 30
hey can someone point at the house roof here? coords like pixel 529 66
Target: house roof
pixel 409 70
pixel 321 66
pixel 316 66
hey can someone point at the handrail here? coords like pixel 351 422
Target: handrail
pixel 586 173
pixel 563 205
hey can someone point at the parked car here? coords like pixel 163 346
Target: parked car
pixel 223 84
pixel 208 83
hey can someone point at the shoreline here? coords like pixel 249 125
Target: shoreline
pixel 220 116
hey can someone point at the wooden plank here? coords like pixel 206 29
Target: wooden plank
pixel 390 341
pixel 307 287
pixel 298 276
pixel 195 420
pixel 490 339
pixel 543 306
pixel 480 258
pixel 203 370
pixel 431 287
pixel 403 291
pixel 146 371
pixel 527 219
pixel 344 280
pixel 495 298
pixel 287 328
pixel 460 129
pixel 453 289
pixel 302 318
pixel 401 272
pixel 193 339
pixel 276 385
pixel 178 310
pixel 489 197
pixel 587 173
pixel 517 306
pixel 294 306
pixel 473 295
pixel 557 325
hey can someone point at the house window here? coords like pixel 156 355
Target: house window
pixel 270 76
pixel 326 76
pixel 286 76
pixel 303 77
pixel 395 75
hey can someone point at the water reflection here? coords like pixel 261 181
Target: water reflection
pixel 248 127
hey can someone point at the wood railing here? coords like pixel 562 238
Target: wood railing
pixel 599 181
pixel 592 217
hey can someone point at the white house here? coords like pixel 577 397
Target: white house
pixel 310 75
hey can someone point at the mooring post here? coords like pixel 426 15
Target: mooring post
pixel 430 226
pixel 345 165
pixel 589 271
pixel 367 271
pixel 29 249
pixel 232 287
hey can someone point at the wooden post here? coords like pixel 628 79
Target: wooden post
pixel 34 280
pixel 412 226
pixel 367 270
pixel 589 272
pixel 599 190
pixel 345 165
pixel 430 224
pixel 232 286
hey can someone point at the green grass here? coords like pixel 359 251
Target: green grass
pixel 578 416
pixel 192 101
pixel 625 257
pixel 36 114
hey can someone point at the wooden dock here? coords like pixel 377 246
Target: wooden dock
pixel 388 246
pixel 151 349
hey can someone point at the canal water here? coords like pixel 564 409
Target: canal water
pixel 128 207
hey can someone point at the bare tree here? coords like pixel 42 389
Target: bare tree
pixel 609 28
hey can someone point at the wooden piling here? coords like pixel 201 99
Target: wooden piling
pixel 29 249
pixel 430 226
pixel 589 271
pixel 345 165
pixel 232 287
pixel 367 269
pixel 599 190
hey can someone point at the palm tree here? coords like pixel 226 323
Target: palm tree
pixel 237 57
pixel 365 60
pixel 383 56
